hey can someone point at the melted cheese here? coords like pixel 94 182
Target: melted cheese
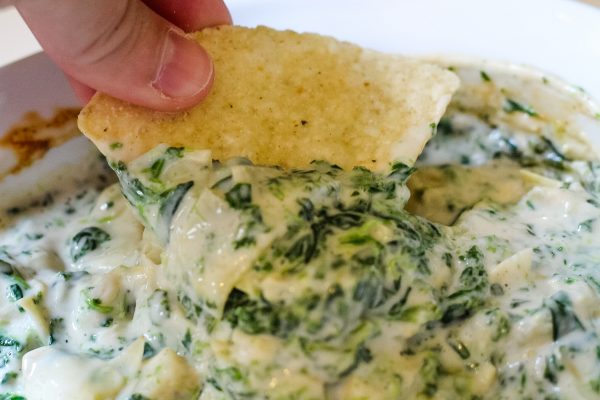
pixel 226 280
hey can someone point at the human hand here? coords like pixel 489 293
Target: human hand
pixel 134 50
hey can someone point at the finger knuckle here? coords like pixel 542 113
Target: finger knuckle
pixel 115 38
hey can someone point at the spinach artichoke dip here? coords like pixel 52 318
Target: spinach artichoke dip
pixel 474 274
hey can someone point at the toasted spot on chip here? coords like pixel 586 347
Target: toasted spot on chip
pixel 284 98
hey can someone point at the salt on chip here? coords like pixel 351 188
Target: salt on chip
pixel 285 98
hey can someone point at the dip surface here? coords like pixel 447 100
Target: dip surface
pixel 199 279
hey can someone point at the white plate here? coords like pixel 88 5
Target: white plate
pixel 559 36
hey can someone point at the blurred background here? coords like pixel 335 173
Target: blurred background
pixel 17 42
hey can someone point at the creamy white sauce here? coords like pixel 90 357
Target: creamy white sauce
pixel 253 282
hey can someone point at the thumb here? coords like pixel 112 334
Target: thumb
pixel 122 48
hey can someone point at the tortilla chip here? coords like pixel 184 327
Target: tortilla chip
pixel 284 98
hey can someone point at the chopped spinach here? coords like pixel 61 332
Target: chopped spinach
pixel 251 225
pixel 258 316
pixel 187 340
pixel 14 292
pixel 484 76
pixel 56 326
pixel 103 354
pixel 6 341
pixel 9 349
pixel 370 290
pixel 146 198
pixel 34 236
pixel 470 295
pixel 96 305
pixel 239 196
pixel 511 106
pixel 9 377
pixel 148 351
pixel 13 274
pixel 430 373
pixel 87 240
pixel 586 226
pixel 11 396
pixel 501 324
pixel 160 301
pixel 156 169
pixel 460 348
pixel 176 152
pixel 496 289
pixel 400 172
pixel 137 396
pixel 192 310
pixel 552 369
pixel 564 319
pixel 362 355
pixel 107 322
pixel 232 373
pixel 169 203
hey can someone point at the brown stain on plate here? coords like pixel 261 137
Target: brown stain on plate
pixel 32 137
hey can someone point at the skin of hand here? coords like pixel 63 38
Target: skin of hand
pixel 130 49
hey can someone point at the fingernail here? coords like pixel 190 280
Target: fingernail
pixel 185 68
